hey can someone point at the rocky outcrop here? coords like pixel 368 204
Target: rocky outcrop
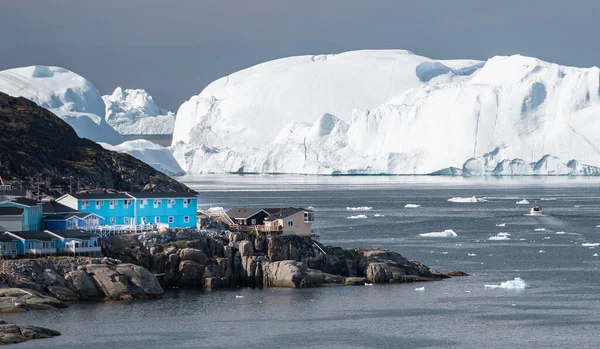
pixel 13 334
pixel 15 300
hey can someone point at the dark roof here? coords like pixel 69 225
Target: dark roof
pixel 162 195
pixel 53 207
pixel 73 234
pixel 24 201
pixel 284 212
pixel 34 235
pixel 242 212
pixel 11 211
pixel 100 196
pixel 15 192
pixel 5 237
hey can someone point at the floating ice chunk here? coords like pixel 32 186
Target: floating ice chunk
pixel 360 216
pixel 546 238
pixel 310 208
pixel 420 288
pixel 360 208
pixel 239 296
pixel 576 206
pixel 501 225
pixel 498 237
pixel 589 244
pixel 368 284
pixel 216 208
pixel 548 199
pixel 444 252
pixel 560 233
pixel 412 206
pixel 378 215
pixel 595 255
pixel 448 233
pixel 516 284
pixel 503 234
pixel 522 239
pixel 471 199
pixel 539 229
pixel 523 202
pixel 541 251
pixel 471 254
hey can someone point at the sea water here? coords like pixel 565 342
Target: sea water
pixel 558 308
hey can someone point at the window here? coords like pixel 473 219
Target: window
pixel 126 203
pixel 309 217
pixel 113 220
pixel 186 202
pixel 112 204
pixel 47 244
pixel 171 220
pixel 126 220
pixel 170 203
pixel 98 203
pixel 157 219
pixel 186 219
pixel 290 223
pixel 253 222
pixel 84 204
pixel 72 223
pixel 156 203
pixel 143 220
pixel 142 203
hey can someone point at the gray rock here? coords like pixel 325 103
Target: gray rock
pixel 355 281
pixel 246 248
pixel 13 334
pixel 190 273
pixel 192 254
pixel 51 278
pixel 285 274
pixel 63 293
pixel 17 300
pixel 142 278
pixel 84 285
pixel 112 284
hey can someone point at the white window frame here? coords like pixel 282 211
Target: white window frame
pixel 142 203
pixel 170 203
pixel 186 202
pixel 309 217
pixel 171 220
pixel 125 220
pixel 290 223
pixel 126 204
pixel 113 220
pixel 111 203
pixel 143 220
pixel 156 219
pixel 98 204
pixel 186 219
pixel 253 222
pixel 157 202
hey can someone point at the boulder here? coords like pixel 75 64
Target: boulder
pixel 141 278
pixel 378 273
pixel 246 248
pixel 51 278
pixel 190 273
pixel 84 285
pixel 13 334
pixel 213 283
pixel 192 254
pixel 63 293
pixel 17 300
pixel 287 274
pixel 456 273
pixel 355 281
pixel 112 284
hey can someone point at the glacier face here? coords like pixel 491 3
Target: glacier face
pixel 394 112
pixel 133 112
pixel 66 94
pixel 152 154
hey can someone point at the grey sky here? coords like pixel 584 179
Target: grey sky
pixel 175 48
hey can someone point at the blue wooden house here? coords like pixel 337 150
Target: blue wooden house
pixel 176 209
pixel 32 215
pixel 75 242
pixel 8 245
pixel 34 243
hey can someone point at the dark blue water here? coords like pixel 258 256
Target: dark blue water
pixel 560 309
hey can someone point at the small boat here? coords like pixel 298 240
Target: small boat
pixel 536 210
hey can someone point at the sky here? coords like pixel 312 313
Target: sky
pixel 175 48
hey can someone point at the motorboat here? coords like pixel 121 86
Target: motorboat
pixel 536 210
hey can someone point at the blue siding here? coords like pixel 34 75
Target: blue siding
pixel 56 225
pixel 32 217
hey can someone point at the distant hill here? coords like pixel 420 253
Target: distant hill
pixel 36 146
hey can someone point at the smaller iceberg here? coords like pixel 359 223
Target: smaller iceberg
pixel 516 284
pixel 500 237
pixel 471 199
pixel 448 233
pixel 412 206
pixel 420 288
pixel 378 215
pixel 590 244
pixel 539 229
pixel 361 208
pixel 523 202
pixel 501 225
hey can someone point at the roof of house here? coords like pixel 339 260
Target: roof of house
pixel 100 196
pixel 15 192
pixel 242 212
pixel 11 211
pixel 284 212
pixel 22 201
pixel 5 237
pixel 162 195
pixel 53 207
pixel 33 235
pixel 63 217
pixel 73 234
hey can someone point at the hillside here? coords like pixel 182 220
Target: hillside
pixel 36 146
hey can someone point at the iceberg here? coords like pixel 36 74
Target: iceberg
pixel 152 154
pixel 360 216
pixel 539 229
pixel 412 206
pixel 515 284
pixel 448 233
pixel 466 200
pixel 588 244
pixel 371 111
pixel 378 215
pixel 66 94
pixel 499 237
pixel 361 208
pixel 134 112
pixel 523 202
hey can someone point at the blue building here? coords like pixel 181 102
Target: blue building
pixel 32 212
pixel 176 209
pixel 75 242
pixel 34 243
pixel 46 243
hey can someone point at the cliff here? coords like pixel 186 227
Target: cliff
pixel 37 147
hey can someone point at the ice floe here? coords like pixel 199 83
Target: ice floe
pixel 560 233
pixel 523 202
pixel 448 233
pixel 501 225
pixel 420 288
pixel 360 208
pixel 539 229
pixel 360 216
pixel 378 215
pixel 590 244
pixel 471 254
pixel 595 255
pixel 471 199
pixel 499 237
pixel 541 251
pixel 516 284
pixel 547 199
pixel 412 206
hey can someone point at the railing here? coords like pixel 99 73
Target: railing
pixel 40 251
pixel 12 253
pixel 107 230
pixel 76 249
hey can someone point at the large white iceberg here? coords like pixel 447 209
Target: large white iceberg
pixel 152 154
pixel 394 112
pixel 66 94
pixel 133 112
pixel 448 233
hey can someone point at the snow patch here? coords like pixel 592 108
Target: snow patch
pixel 448 233
pixel 216 208
pixel 515 284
